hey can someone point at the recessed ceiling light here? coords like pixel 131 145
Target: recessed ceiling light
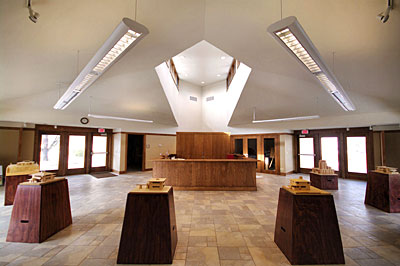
pixel 218 75
pixel 202 82
pixel 223 57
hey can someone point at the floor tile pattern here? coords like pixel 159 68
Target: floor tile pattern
pixel 214 227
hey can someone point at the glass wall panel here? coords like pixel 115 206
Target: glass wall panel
pixel 306 152
pixel 49 152
pixel 357 155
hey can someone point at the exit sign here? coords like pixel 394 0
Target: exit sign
pixel 101 130
pixel 304 131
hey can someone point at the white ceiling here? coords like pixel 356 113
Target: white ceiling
pixel 203 64
pixel 35 58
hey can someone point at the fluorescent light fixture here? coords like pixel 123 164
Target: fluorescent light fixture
pixel 287 119
pixel 289 33
pixel 119 118
pixel 126 35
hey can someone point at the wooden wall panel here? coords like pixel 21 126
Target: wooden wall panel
pixel 202 145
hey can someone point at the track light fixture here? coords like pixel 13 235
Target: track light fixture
pixel 384 16
pixel 33 16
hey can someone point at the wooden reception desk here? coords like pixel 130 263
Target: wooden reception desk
pixel 207 174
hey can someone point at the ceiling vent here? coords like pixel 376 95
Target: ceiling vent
pixel 211 98
pixel 192 98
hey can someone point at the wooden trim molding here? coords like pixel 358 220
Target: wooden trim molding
pixel 17 128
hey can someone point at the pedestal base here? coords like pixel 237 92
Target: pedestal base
pixel 39 211
pixel 10 187
pixel 149 233
pixel 329 182
pixel 307 229
pixel 383 191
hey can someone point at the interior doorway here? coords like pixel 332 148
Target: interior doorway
pixel 134 160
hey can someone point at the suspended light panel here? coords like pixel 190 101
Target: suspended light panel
pixel 125 36
pixel 289 33
pixel 119 118
pixel 287 119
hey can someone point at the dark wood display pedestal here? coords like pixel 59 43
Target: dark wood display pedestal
pixel 329 182
pixel 10 187
pixel 383 191
pixel 307 229
pixel 40 210
pixel 149 233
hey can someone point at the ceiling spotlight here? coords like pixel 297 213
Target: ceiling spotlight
pixel 223 57
pixel 218 75
pixel 33 16
pixel 202 82
pixel 384 16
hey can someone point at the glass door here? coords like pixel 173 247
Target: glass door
pixel 306 153
pixel 330 151
pixel 252 148
pixel 269 154
pixel 238 146
pixel 76 154
pixel 49 152
pixel 99 153
pixel 356 154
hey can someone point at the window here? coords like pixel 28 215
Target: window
pixel 49 152
pixel 306 152
pixel 357 154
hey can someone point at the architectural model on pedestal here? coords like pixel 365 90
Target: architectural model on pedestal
pixel 323 169
pixel 386 170
pixel 153 184
pixel 299 184
pixel 306 228
pixel 22 168
pixel 41 177
pixel 16 174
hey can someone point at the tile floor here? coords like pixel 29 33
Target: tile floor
pixel 214 228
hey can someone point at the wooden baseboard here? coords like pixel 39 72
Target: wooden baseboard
pixel 285 174
pixel 148 169
pixel 217 188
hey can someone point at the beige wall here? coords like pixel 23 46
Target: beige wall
pixel 28 143
pixel 286 153
pixel 124 143
pixel 9 146
pixel 155 145
pixel 377 148
pixel 116 158
pixel 119 152
pixel 392 149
